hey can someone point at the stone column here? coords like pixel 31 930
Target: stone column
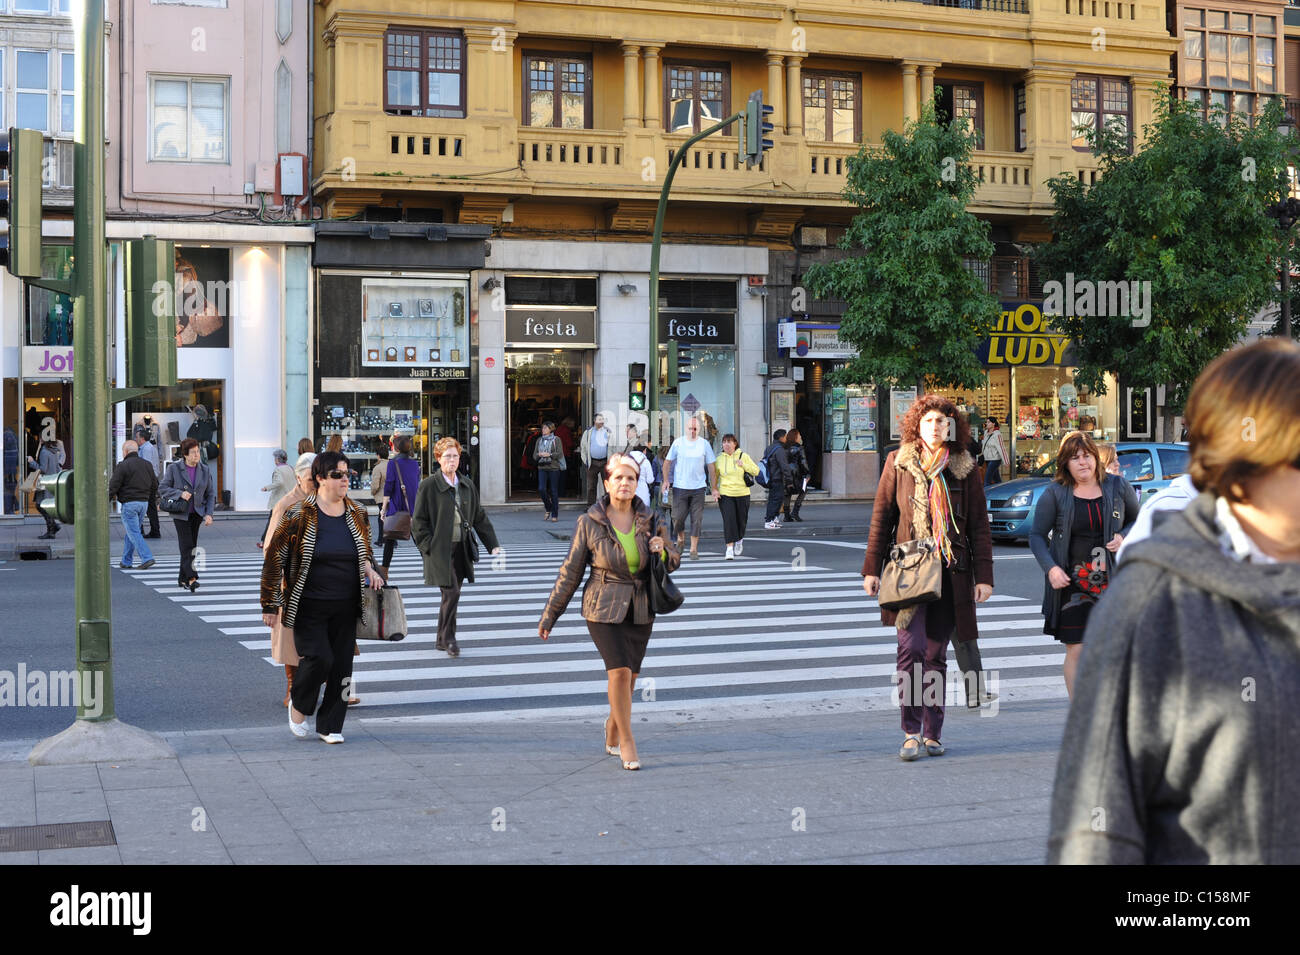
pixel 774 92
pixel 794 94
pixel 631 111
pixel 654 91
pixel 927 84
pixel 909 92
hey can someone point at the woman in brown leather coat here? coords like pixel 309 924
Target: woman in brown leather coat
pixel 617 537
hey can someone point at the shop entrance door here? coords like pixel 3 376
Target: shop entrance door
pixel 545 386
pixel 47 416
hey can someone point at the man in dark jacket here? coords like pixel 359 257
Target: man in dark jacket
pixel 134 483
pixel 779 474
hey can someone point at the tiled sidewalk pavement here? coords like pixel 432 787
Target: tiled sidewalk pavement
pixel 711 791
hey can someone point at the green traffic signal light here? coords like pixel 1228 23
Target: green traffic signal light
pixel 58 501
pixel 636 394
pixel 22 153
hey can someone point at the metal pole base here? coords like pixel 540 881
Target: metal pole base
pixel 108 741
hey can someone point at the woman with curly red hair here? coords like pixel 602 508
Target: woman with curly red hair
pixel 930 488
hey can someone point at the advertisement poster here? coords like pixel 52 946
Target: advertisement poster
pixel 900 400
pixel 1027 422
pixel 204 298
pixel 1088 417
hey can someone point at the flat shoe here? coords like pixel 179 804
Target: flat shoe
pixel 934 747
pixel 911 749
pixel 298 729
pixel 453 648
pixel 331 737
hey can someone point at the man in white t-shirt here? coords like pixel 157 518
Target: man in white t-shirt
pixel 689 468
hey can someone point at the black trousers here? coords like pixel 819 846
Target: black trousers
pixel 451 600
pixel 735 515
pixel 389 544
pixel 324 634
pixel 794 499
pixel 187 537
pixel 153 516
pixel 595 472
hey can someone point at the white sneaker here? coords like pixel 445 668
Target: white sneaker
pixel 331 737
pixel 773 525
pixel 739 547
pixel 299 729
pixel 731 553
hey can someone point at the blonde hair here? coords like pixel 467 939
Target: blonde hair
pixel 1107 452
pixel 621 460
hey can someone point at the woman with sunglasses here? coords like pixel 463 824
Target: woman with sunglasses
pixel 318 560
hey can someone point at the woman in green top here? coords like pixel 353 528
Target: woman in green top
pixel 618 536
pixel 732 493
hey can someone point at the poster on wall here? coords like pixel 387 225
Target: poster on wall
pixel 782 410
pixel 1027 425
pixel 1089 415
pixel 900 400
pixel 204 298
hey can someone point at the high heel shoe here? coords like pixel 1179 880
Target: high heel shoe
pixel 194 585
pixel 631 764
pixel 610 750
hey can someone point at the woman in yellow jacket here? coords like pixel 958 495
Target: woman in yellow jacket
pixel 732 493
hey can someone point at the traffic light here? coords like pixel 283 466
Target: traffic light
pixel 679 363
pixel 150 313
pixel 57 502
pixel 636 394
pixel 21 152
pixel 757 128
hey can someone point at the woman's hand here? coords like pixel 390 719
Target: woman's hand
pixel 542 631
pixel 983 592
pixel 270 619
pixel 373 580
pixel 207 520
pixel 656 545
pixel 186 495
pixel 1058 578
pixel 717 495
pixel 871 585
pixel 496 550
pixel 1115 541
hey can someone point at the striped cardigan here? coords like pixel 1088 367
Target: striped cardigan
pixel 289 554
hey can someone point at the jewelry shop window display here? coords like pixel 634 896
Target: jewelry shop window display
pixel 367 422
pixel 415 323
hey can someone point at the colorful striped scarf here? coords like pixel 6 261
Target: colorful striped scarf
pixel 933 464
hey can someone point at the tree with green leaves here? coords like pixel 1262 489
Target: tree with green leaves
pixel 914 311
pixel 1185 214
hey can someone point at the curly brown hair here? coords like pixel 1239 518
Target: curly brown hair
pixel 445 444
pixel 911 427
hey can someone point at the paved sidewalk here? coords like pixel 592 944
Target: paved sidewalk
pixel 233 532
pixel 819 788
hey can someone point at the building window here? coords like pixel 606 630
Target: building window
pixel 424 73
pixel 963 101
pixel 187 119
pixel 1226 62
pixel 31 6
pixel 696 95
pixel 67 100
pixel 1099 102
pixel 3 117
pixel 557 91
pixel 830 107
pixel 33 90
pixel 1022 118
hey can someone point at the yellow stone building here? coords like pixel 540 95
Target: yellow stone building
pixel 552 123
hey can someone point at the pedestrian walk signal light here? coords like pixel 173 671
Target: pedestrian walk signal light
pixel 57 502
pixel 22 153
pixel 679 363
pixel 757 128
pixel 636 394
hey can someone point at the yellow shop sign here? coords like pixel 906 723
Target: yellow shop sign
pixel 1023 337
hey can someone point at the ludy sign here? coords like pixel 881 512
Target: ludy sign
pixel 1024 336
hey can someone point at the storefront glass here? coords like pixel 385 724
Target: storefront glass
pixel 49 314
pixel 414 323
pixel 1048 406
pixel 193 408
pixel 710 395
pixel 546 386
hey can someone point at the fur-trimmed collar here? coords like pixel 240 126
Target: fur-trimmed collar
pixel 960 464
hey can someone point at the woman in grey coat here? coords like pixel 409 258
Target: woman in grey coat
pixel 190 482
pixel 1087 512
pixel 446 507
pixel 47 462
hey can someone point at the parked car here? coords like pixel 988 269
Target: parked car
pixel 1149 467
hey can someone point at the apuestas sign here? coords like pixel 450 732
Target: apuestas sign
pixel 1024 337
pixel 40 361
pixel 550 328
pixel 698 327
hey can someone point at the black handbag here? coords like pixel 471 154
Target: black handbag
pixel 665 596
pixel 172 502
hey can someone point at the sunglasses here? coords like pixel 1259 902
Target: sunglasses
pixel 335 475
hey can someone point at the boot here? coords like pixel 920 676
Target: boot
pixel 288 676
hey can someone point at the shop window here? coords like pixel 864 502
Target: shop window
pixel 698 293
pixel 696 95
pixel 1099 102
pixel 551 290
pixel 710 395
pixel 49 314
pixel 1173 461
pixel 557 91
pixel 187 119
pixel 424 73
pixel 414 323
pixel 831 107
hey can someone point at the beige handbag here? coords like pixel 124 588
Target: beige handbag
pixel 385 615
pixel 913 575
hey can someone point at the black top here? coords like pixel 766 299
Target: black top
pixel 334 574
pixel 1085 530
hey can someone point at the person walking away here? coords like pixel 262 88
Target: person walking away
pixel 994 451
pixel 1180 492
pixel 1086 513
pixel 378 477
pixel 282 482
pixel 597 445
pixel 282 648
pixel 930 488
pixel 447 508
pixel 778 476
pixel 640 455
pixel 548 452
pixel 189 479
pixel 799 470
pixel 732 493
pixel 401 483
pixel 46 462
pixel 134 483
pixel 149 454
pixel 335 445
pixel 690 468
pixel 305 446
pixel 1183 721
pixel 316 564
pixel 619 537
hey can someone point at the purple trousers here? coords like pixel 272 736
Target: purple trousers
pixel 922 678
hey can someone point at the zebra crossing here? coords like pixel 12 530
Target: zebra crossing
pixel 753 633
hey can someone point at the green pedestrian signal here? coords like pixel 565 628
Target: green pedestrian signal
pixel 636 394
pixel 22 153
pixel 57 502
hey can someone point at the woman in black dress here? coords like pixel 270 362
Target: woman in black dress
pixel 1086 512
